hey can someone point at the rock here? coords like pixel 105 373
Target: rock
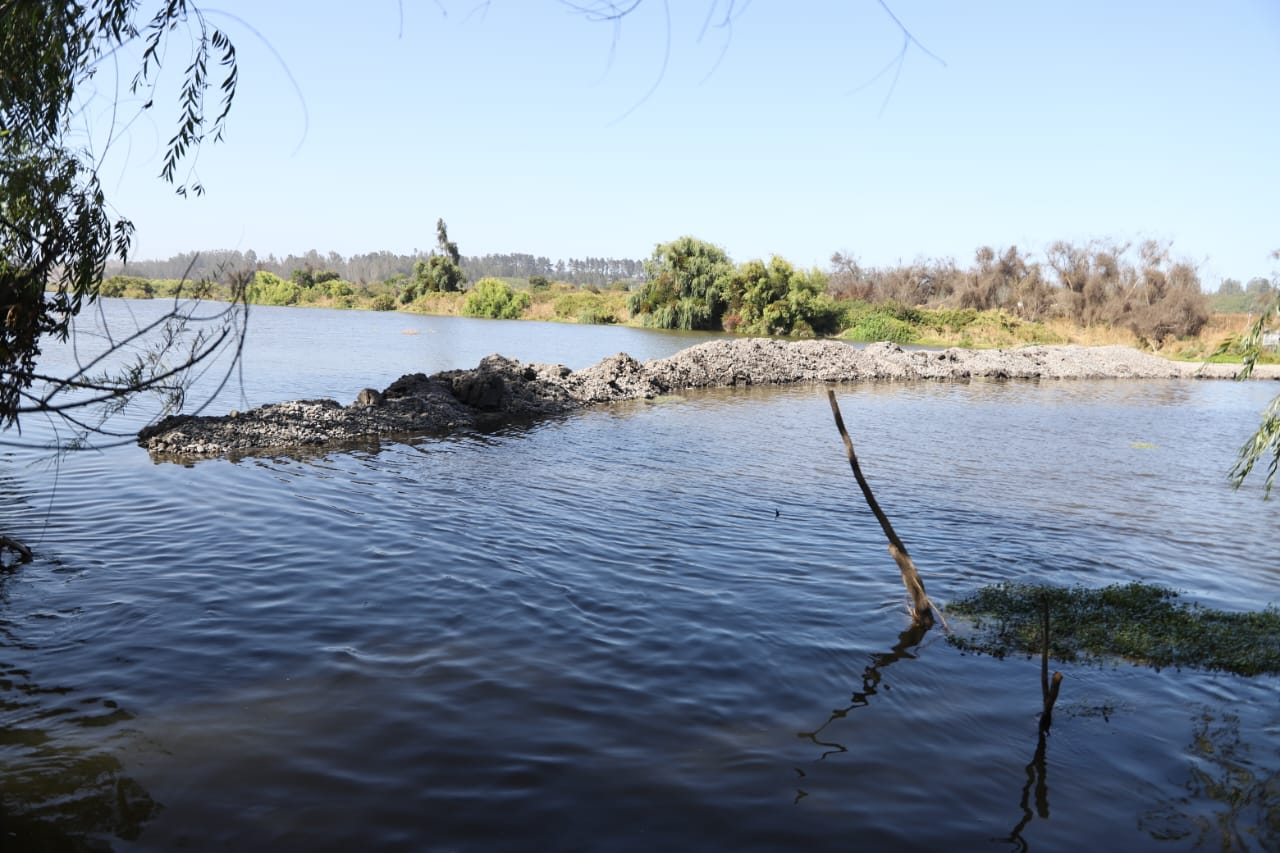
pixel 480 391
pixel 501 388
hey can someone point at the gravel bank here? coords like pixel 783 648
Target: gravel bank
pixel 501 389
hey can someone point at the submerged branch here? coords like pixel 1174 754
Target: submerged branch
pixel 23 552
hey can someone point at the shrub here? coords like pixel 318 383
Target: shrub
pixel 778 299
pixel 383 302
pixel 127 285
pixel 270 289
pixel 586 308
pixel 879 326
pixel 953 320
pixel 495 300
pixel 113 287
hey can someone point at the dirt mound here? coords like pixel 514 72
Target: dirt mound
pixel 501 389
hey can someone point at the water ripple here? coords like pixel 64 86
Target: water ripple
pixel 652 625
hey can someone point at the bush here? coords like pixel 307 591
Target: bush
pixel 778 299
pixel 127 285
pixel 879 326
pixel 270 289
pixel 586 308
pixel 953 320
pixel 495 300
pixel 383 302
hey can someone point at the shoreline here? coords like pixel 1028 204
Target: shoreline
pixel 502 389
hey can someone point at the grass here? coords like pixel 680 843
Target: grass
pixel 1141 623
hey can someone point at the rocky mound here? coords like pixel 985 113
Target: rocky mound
pixel 501 389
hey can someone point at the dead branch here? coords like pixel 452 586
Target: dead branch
pixel 23 552
pixel 922 608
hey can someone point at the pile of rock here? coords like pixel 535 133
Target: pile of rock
pixel 501 389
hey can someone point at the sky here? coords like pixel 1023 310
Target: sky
pixel 765 127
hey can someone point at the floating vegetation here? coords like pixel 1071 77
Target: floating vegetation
pixel 1138 622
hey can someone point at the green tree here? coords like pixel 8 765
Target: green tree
pixel 442 270
pixel 496 300
pixel 56 228
pixel 778 299
pixel 1265 441
pixel 1259 293
pixel 270 289
pixel 686 287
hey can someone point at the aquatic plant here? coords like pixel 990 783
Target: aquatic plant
pixel 1139 622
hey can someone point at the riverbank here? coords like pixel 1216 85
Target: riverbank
pixel 859 321
pixel 501 389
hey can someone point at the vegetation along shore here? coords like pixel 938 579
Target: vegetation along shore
pixel 1095 293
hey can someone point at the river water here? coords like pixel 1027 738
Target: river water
pixel 651 625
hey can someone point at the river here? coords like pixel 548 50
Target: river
pixel 667 624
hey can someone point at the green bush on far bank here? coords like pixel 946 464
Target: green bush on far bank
pixel 496 300
pixel 886 321
pixel 589 308
pixel 270 289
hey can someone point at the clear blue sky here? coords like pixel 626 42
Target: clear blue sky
pixel 529 128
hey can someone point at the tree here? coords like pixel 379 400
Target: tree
pixel 439 272
pixel 1230 287
pixel 494 299
pixel 56 229
pixel 778 299
pixel 1266 439
pixel 687 286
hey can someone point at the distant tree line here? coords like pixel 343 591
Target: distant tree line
pixel 1256 296
pixel 691 284
pixel 597 271
pixel 380 266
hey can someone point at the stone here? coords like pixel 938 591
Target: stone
pixel 501 389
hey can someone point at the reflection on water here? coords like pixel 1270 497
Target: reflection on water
pixel 1231 796
pixel 1037 779
pixel 60 789
pixel 1037 769
pixel 872 676
pixel 599 632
